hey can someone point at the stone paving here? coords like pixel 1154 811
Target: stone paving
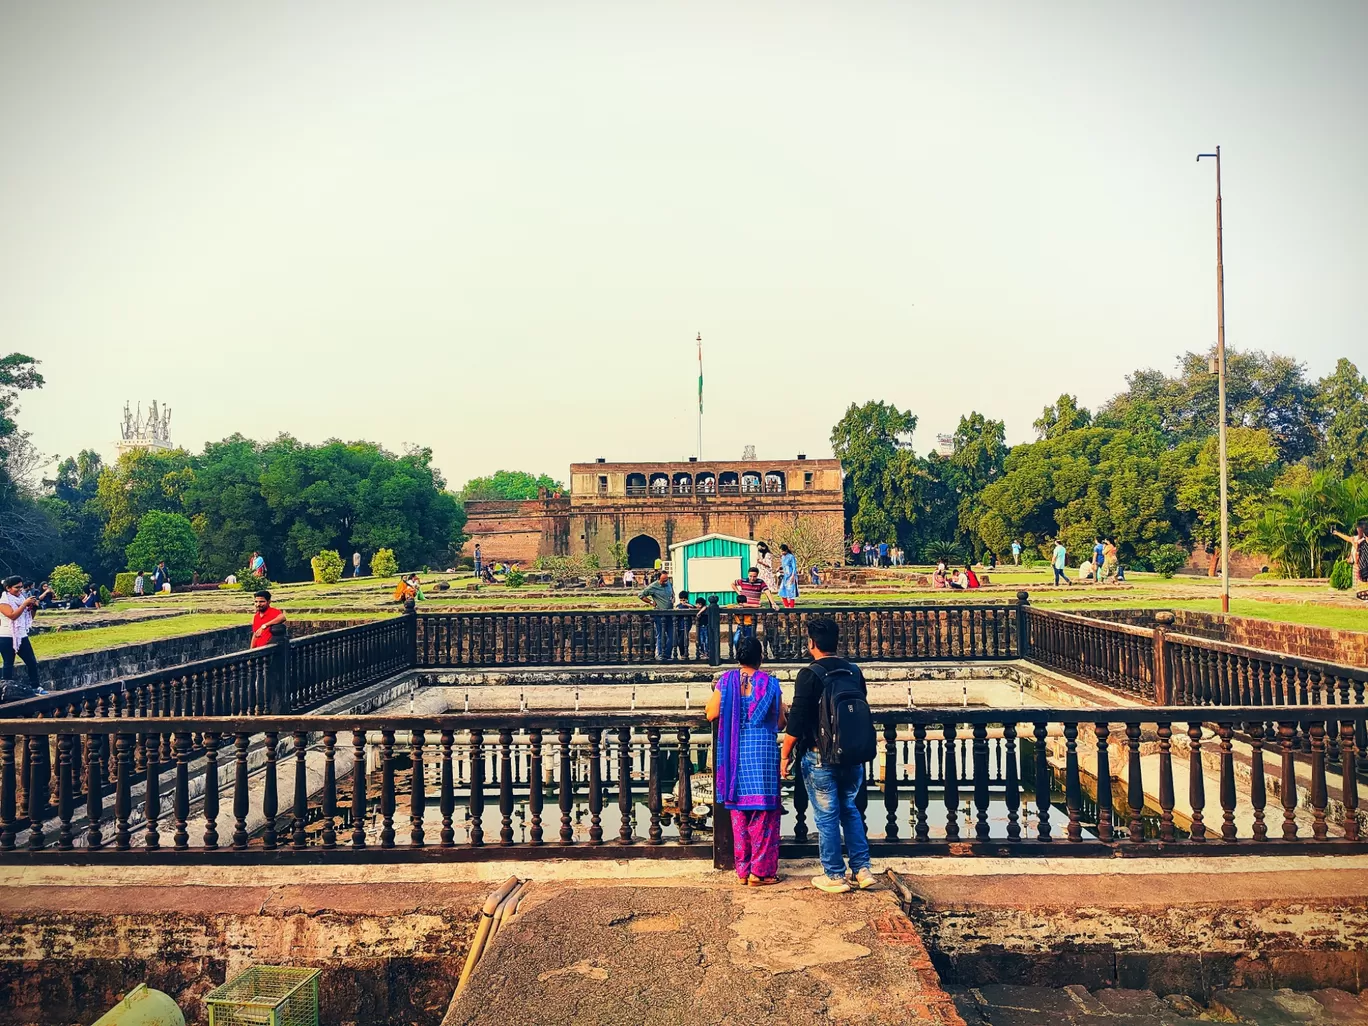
pixel 1005 1005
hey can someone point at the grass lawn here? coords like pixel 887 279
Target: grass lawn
pixel 60 643
pixel 1311 613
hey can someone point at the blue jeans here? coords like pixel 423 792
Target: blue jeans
pixel 1059 576
pixel 664 638
pixel 831 792
pixel 703 642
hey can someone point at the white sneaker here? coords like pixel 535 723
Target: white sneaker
pixel 831 884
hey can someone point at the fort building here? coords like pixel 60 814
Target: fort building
pixel 647 507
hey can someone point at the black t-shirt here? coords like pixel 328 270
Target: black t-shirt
pixel 807 694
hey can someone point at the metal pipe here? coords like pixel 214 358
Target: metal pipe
pixel 491 906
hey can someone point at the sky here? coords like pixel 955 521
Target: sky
pixel 497 229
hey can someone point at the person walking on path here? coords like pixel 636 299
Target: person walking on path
pixel 265 621
pixel 1099 556
pixel 1016 552
pixel 855 553
pixel 764 562
pixel 161 578
pixel 1058 562
pixel 1358 556
pixel 660 597
pixel 1110 564
pixel 788 577
pixel 139 584
pixel 832 789
pixel 356 564
pixel 748 706
pixel 479 563
pixel 17 619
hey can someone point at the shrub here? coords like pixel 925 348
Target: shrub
pixel 165 536
pixel 566 569
pixel 327 567
pixel 105 597
pixel 1166 559
pixel 123 583
pixel 1341 576
pixel 248 583
pixel 68 580
pixel 514 579
pixel 383 563
pixel 943 551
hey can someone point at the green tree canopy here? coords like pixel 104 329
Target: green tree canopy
pixel 884 479
pixel 508 484
pixel 168 537
pixel 1344 413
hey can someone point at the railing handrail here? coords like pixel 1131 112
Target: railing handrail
pixel 322 637
pixel 749 610
pixel 1175 637
pixel 1106 625
pixel 512 720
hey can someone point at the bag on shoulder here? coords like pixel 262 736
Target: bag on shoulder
pixel 845 726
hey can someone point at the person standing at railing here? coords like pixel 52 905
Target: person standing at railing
pixel 833 786
pixel 17 609
pixel 748 707
pixel 266 621
pixel 748 592
pixel 1058 561
pixel 683 604
pixel 1358 556
pixel 660 596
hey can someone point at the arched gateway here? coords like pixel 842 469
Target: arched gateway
pixel 642 552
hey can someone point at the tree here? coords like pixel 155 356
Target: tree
pixel 141 481
pixel 28 534
pixel 1343 398
pixel 68 580
pixel 813 541
pixel 1300 517
pixel 979 456
pixel 1252 460
pixel 884 479
pixel 167 537
pixel 508 484
pixel 1060 417
pixel 225 502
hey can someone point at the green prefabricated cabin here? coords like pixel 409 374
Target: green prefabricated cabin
pixel 710 565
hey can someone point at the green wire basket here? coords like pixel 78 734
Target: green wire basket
pixel 266 995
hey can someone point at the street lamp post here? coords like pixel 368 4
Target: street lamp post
pixel 1221 390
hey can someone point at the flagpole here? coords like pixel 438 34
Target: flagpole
pixel 700 396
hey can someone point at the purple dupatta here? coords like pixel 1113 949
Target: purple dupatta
pixel 756 784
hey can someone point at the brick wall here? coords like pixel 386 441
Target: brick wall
pixel 1348 648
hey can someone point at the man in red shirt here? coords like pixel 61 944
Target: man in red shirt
pixel 265 620
pixel 748 591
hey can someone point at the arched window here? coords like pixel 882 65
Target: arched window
pixel 683 484
pixel 660 484
pixel 636 485
pixel 750 483
pixel 774 481
pixel 705 484
pixel 728 483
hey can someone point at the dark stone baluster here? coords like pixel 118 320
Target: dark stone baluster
pixel 1135 785
pixel 8 789
pixel 1196 781
pixel 1073 788
pixel 37 794
pixel 534 786
pixel 329 804
pixel 625 806
pixel 66 774
pixel 654 833
pixel 1013 793
pixel 1166 796
pixel 981 780
pixel 417 789
pixel 1104 783
pixel 123 790
pixel 890 786
pixel 1361 728
pixel 387 796
pixel 685 789
pixel 447 799
pixel 1319 793
pixel 505 788
pixel 951 784
pixel 800 800
pixel 596 782
pixel 270 799
pixel 1224 732
pixel 152 791
pixel 1042 782
pixel 1258 789
pixel 211 740
pixel 1348 781
pixel 565 791
pixel 1286 742
pixel 298 839
pixel 358 834
pixel 476 788
pixel 180 811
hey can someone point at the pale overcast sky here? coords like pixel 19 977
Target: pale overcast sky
pixel 495 229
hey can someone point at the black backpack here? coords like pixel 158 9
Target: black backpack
pixel 845 726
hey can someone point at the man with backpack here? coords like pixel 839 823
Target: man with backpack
pixel 832 728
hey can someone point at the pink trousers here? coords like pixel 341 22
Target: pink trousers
pixel 755 836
